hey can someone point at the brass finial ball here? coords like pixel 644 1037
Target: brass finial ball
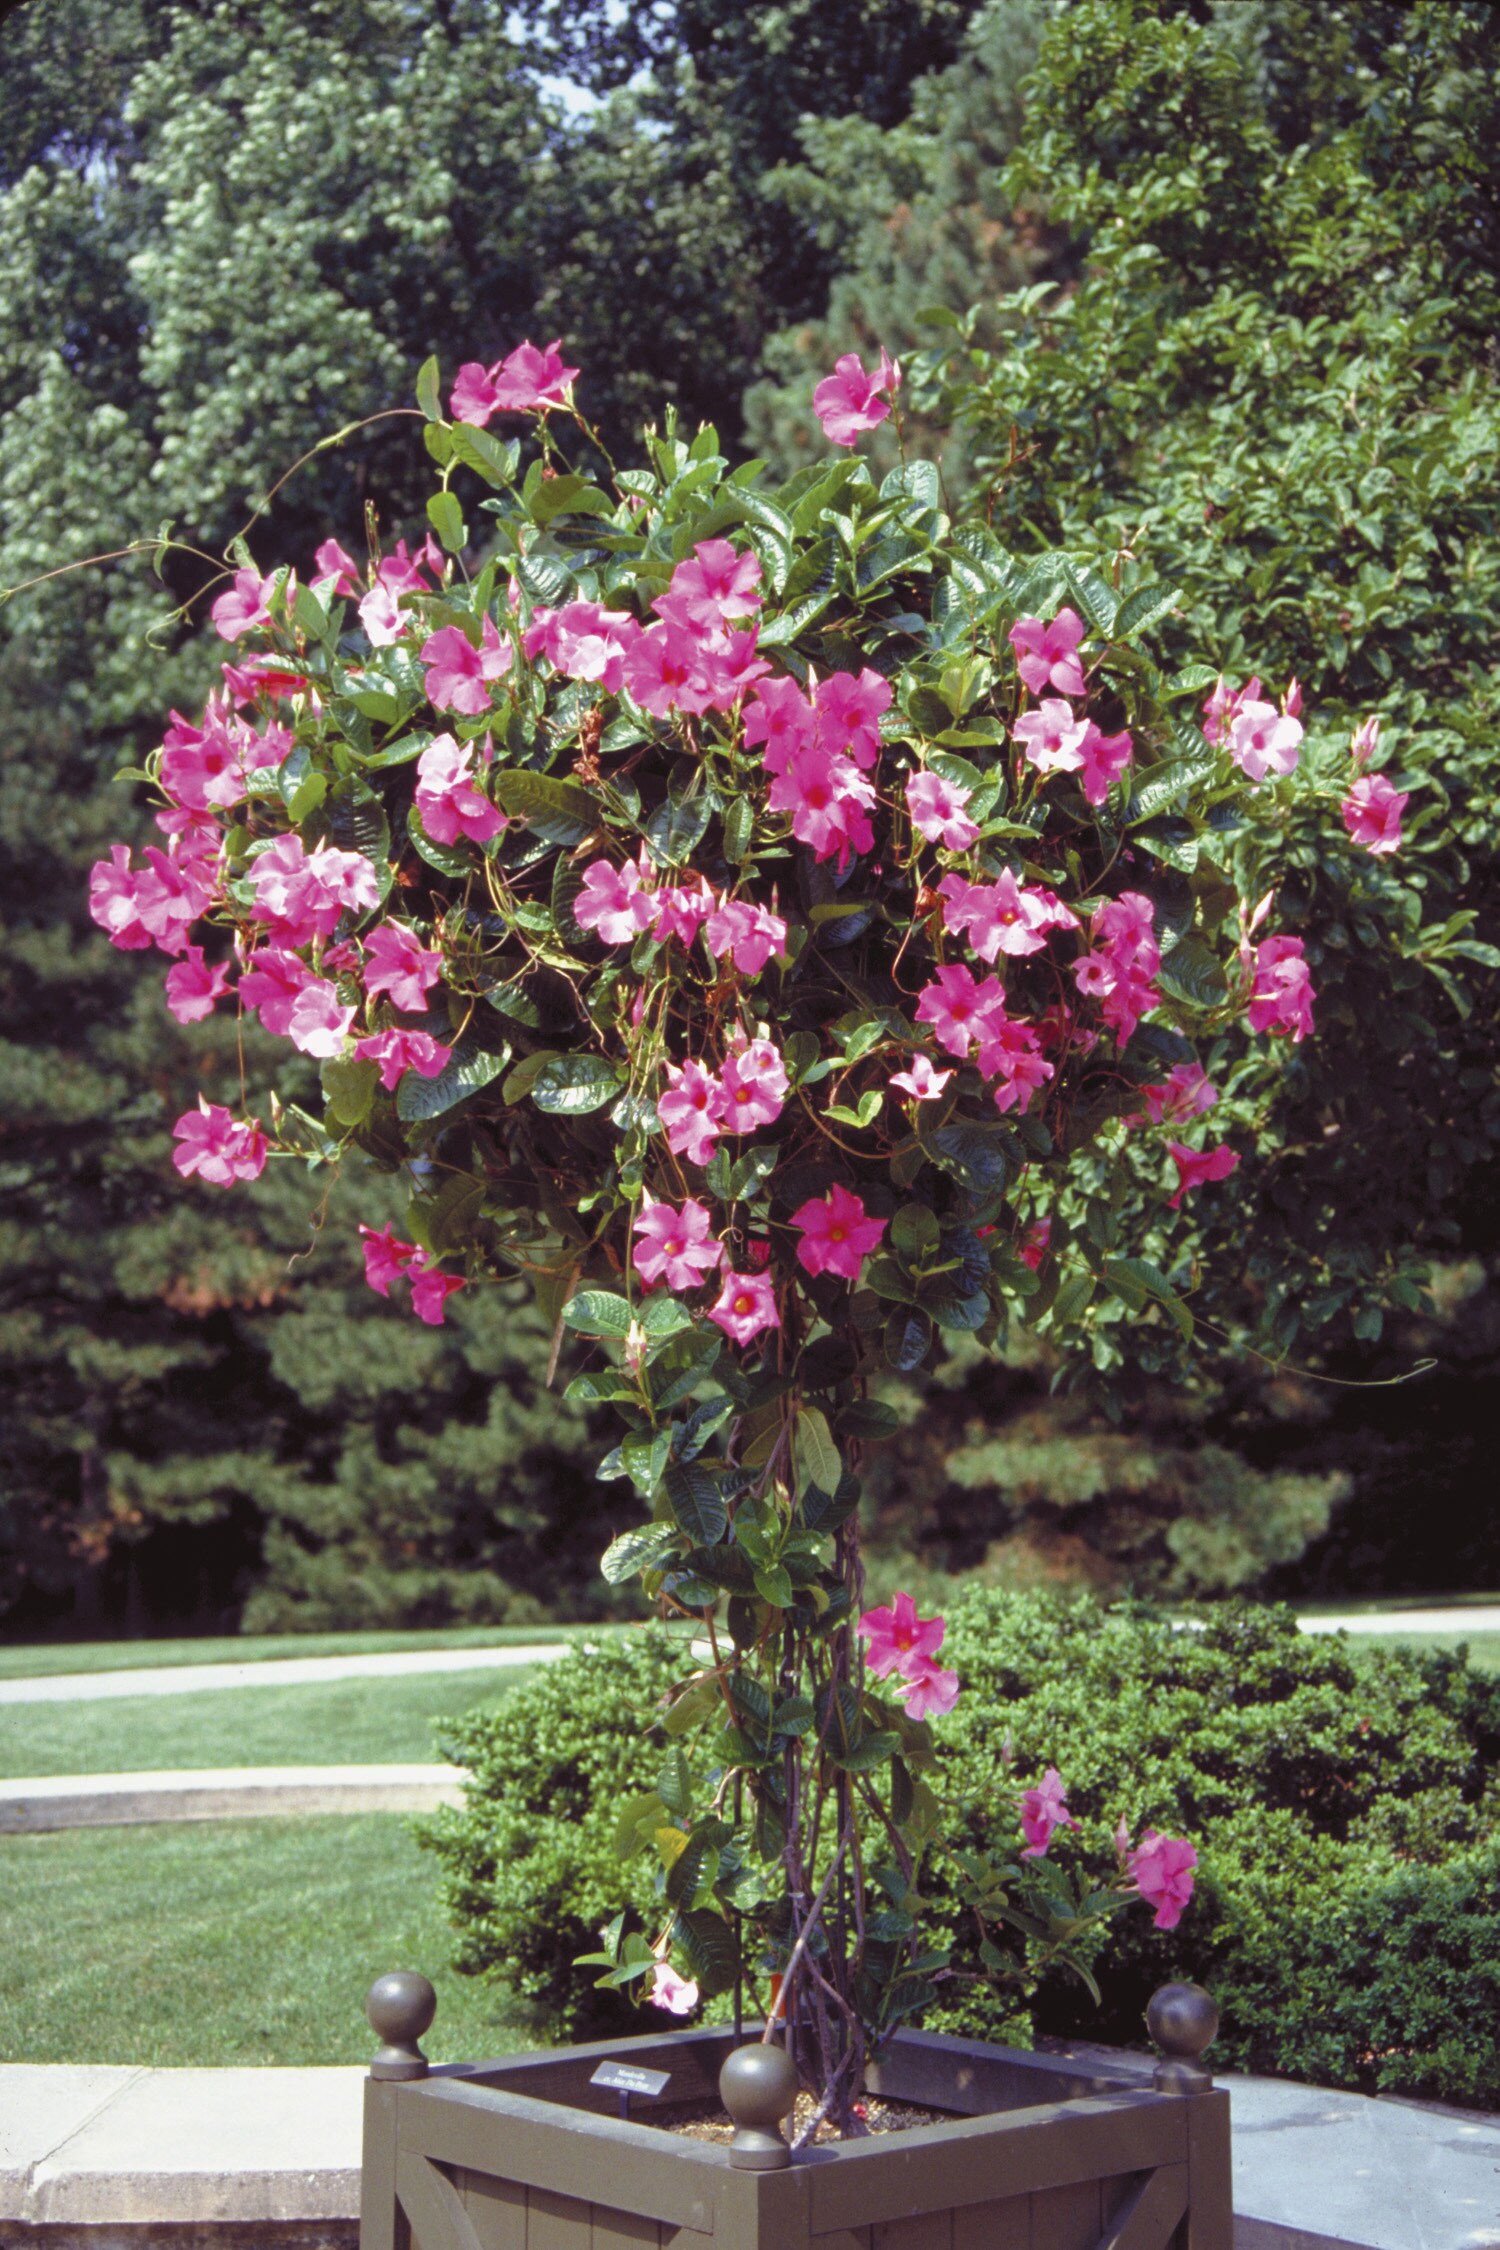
pixel 758 2086
pixel 1183 2020
pixel 400 2007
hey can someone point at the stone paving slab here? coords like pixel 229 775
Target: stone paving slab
pixel 87 2152
pixel 110 1800
pixel 273 1671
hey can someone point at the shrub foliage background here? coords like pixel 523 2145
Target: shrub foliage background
pixel 1345 1804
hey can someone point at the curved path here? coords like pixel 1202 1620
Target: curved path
pixel 32 1806
pixel 274 1671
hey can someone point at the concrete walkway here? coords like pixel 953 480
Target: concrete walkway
pixel 92 2150
pixel 30 1807
pixel 274 1671
pixel 1458 1619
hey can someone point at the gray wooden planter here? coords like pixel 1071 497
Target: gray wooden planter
pixel 526 2154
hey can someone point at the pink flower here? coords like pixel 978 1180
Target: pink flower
pixel 837 1235
pixel 1051 738
pixel 271 986
pixel 678 1995
pixel 1105 758
pixel 1185 1092
pixel 337 572
pixel 921 1080
pixel 1004 916
pixel 193 986
pixel 317 1024
pixel 1195 1167
pixel 1119 970
pixel 586 642
pixel 724 675
pixel 1282 995
pixel 753 1087
pixel 689 1111
pixel 1034 1244
pixel 745 1305
pixel 780 717
pixel 1222 705
pixel 1365 740
pixel 397 1052
pixel 430 1291
pixel 677 1246
pixel 458 673
pixel 1012 1052
pixel 528 381
pixel 680 911
pixel 244 607
pixel 961 1011
pixel 1291 702
pixel 900 1641
pixel 114 900
pixel 849 401
pixel 1372 813
pixel 826 797
pixel 386 1257
pixel 1163 1870
pixel 206 766
pixel 613 902
pixel 300 894
pixel 715 584
pixel 397 962
pixel 1264 740
pixel 380 615
pixel 748 934
pixel 1043 1811
pixel 847 710
pixel 449 800
pixel 407 573
pixel 932 1693
pixel 219 1148
pixel 660 663
pixel 937 809
pixel 1047 655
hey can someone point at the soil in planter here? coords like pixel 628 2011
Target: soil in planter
pixel 706 2121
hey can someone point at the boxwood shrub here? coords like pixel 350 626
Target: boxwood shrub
pixel 1346 1804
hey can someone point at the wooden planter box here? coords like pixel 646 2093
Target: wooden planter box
pixel 526 2154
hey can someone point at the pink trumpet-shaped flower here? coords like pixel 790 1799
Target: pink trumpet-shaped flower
pixel 937 811
pixel 689 1111
pixel 194 986
pixel 272 984
pixel 386 1257
pixel 458 673
pixel 900 1641
pixel 613 902
pixel 317 1023
pixel 847 710
pixel 337 572
pixel 745 1306
pixel 749 934
pixel 1047 655
pixel 1195 1167
pixel 528 381
pixel 931 1694
pixel 1264 740
pixel 676 1246
pixel 849 401
pixel 1281 995
pixel 1051 738
pixel 1184 1093
pixel 1105 758
pixel 430 1291
pixel 837 1234
pixel 921 1080
pixel 1372 813
pixel 398 1051
pixel 715 583
pixel 1365 740
pixel 1163 1870
pixel 677 1995
pixel 397 962
pixel 244 607
pixel 219 1148
pixel 1044 1810
pixel 753 1087
pixel 680 911
pixel 449 800
pixel 961 1011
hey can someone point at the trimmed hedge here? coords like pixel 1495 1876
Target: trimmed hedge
pixel 1345 1803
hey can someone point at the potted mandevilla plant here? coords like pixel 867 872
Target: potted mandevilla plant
pixel 777 923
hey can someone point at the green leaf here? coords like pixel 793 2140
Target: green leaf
pixel 1072 1299
pixel 695 1500
pixel 1142 609
pixel 774 1586
pixel 427 391
pixel 1098 601
pixel 675 1783
pixel 447 520
pixel 562 812
pixel 486 455
pixel 349 1085
pixel 573 1085
pixel 706 1947
pixel 1192 973
pixel 635 1551
pixel 973 1153
pixel 469 1069
pixel 739 824
pixel 682 1364
pixel 908 1339
pixel 814 1452
pixel 598 1312
pixel 914 1233
pixel 870 1752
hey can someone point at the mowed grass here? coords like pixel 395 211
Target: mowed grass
pixel 336 1723
pixel 45 1661
pixel 225 1942
pixel 1483 1648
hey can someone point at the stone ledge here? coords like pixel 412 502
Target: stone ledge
pixel 108 1800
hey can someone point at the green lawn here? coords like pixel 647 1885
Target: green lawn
pixel 341 1722
pixel 1483 1648
pixel 225 1942
pixel 125 1656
